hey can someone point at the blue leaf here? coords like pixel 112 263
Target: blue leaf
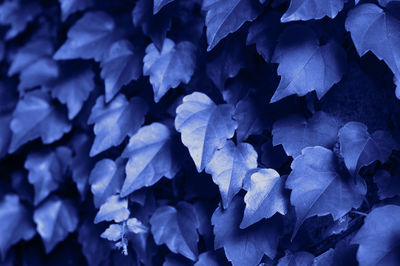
pixel 359 148
pixel 72 87
pixel 15 223
pixel 229 166
pixel 151 156
pixel 69 7
pixel 17 15
pixel 208 258
pixel 89 38
pixel 35 116
pixel 176 227
pixel 295 132
pixel 121 65
pixel 264 198
pixel 135 226
pixel 378 237
pixel 204 126
pixel 224 17
pixel 158 4
pixel 106 179
pixel 47 170
pixel 244 247
pixel 317 188
pixel 312 9
pixel 55 219
pixel 113 233
pixel 305 65
pixel 388 186
pixel 300 258
pixel 114 209
pixel 114 121
pixel 5 134
pixel 169 67
pixel 376 30
pixel 264 33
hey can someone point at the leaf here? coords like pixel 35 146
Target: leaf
pixel 114 121
pixel 153 26
pixel 295 132
pixel 158 4
pixel 312 9
pixel 69 7
pixel 176 227
pixel 5 134
pixel 300 258
pixel 72 87
pixel 135 226
pixel 47 170
pixel 55 219
pixel 169 67
pixel 89 38
pixel 378 237
pixel 113 233
pixel 264 33
pixel 388 186
pixel 244 247
pixel 359 148
pixel 121 65
pixel 106 179
pixel 151 156
pixel 35 116
pixel 224 17
pixel 229 166
pixel 17 15
pixel 16 223
pixel 264 198
pixel 317 188
pixel 208 258
pixel 114 209
pixel 204 126
pixel 376 30
pixel 307 65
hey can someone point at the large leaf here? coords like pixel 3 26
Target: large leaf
pixel 34 117
pixel 151 156
pixel 229 166
pixel 265 197
pixel 55 219
pixel 359 148
pixel 378 238
pixel 176 227
pixel 89 38
pixel 204 126
pixel 47 170
pixel 312 9
pixel 169 67
pixel 305 65
pixel 121 65
pixel 244 246
pixel 376 30
pixel 295 132
pixel 114 121
pixel 224 17
pixel 16 223
pixel 318 189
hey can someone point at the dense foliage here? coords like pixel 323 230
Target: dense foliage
pixel 199 132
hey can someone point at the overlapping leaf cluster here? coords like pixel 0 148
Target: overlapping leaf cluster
pixel 199 132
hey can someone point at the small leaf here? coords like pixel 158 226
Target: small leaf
pixel 312 9
pixel 388 186
pixel 229 166
pixel 204 126
pixel 114 121
pixel 113 233
pixel 114 209
pixel 317 188
pixel 378 237
pixel 69 7
pixel 35 116
pixel 265 197
pixel 176 227
pixel 15 223
pixel 296 133
pixel 55 219
pixel 135 226
pixel 169 67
